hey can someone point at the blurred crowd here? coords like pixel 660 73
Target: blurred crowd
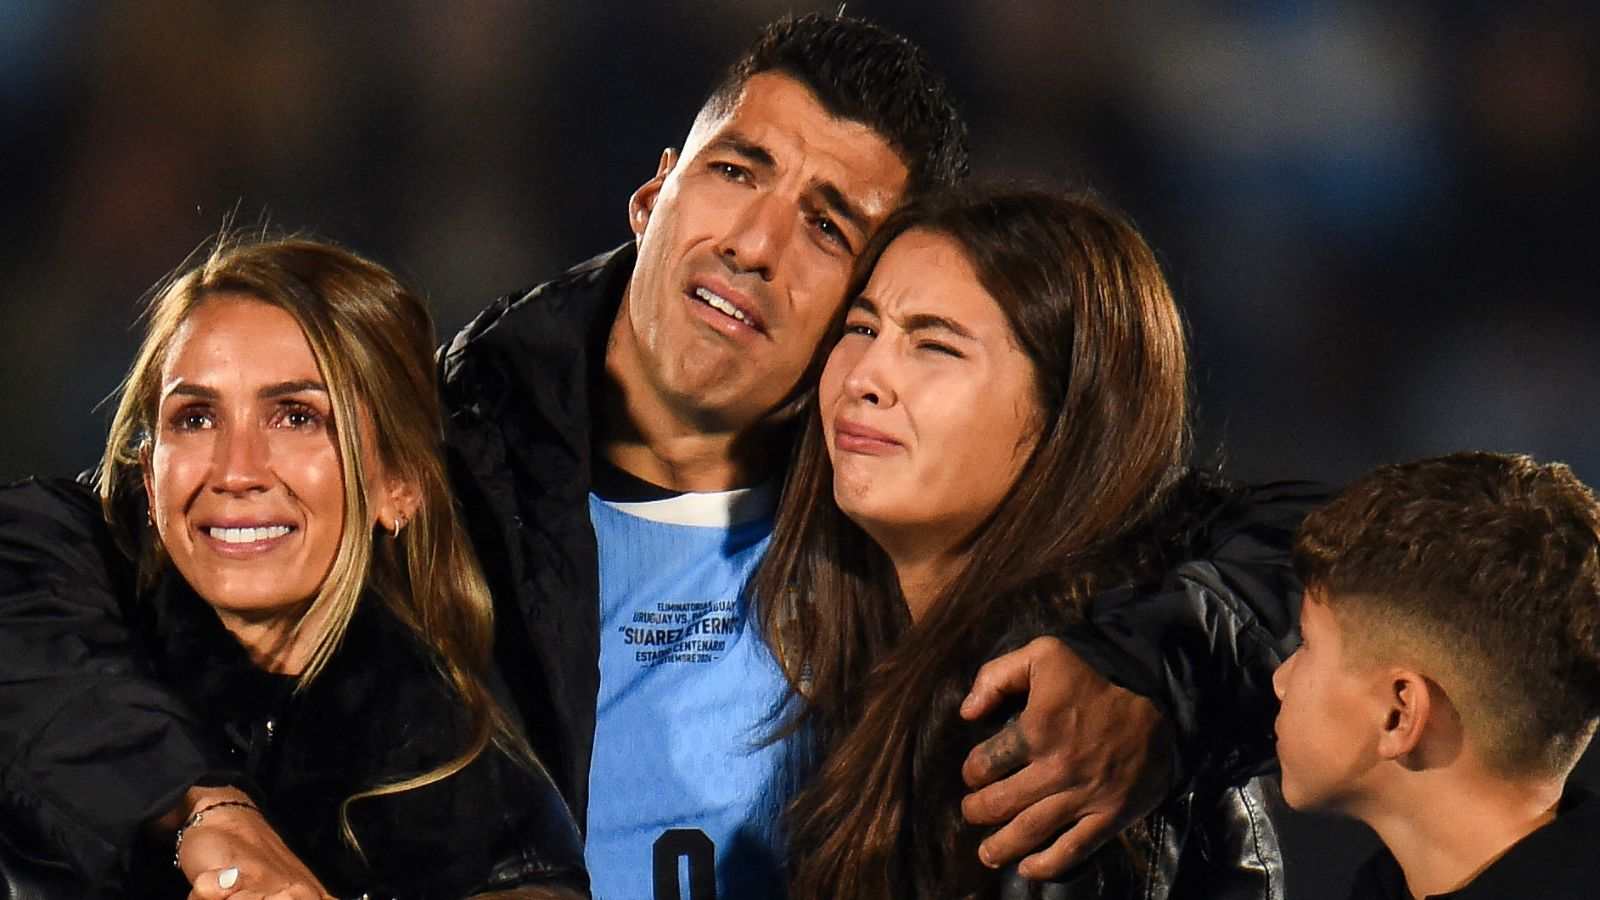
pixel 1377 216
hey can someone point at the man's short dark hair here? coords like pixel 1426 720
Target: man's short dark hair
pixel 1486 565
pixel 863 73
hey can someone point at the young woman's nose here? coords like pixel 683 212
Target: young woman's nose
pixel 872 378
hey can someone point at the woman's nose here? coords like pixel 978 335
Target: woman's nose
pixel 241 460
pixel 872 378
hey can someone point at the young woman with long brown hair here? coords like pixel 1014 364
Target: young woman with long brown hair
pixel 1001 430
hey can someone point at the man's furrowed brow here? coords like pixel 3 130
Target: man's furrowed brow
pixel 840 204
pixel 748 150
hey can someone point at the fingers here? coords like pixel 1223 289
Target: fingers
pixel 1010 797
pixel 1030 829
pixel 1008 673
pixel 997 757
pixel 234 854
pixel 1071 848
pixel 232 883
pixel 294 892
pixel 214 884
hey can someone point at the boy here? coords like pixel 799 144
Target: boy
pixel 1449 677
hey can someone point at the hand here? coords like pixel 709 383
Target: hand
pixel 208 886
pixel 233 852
pixel 1083 760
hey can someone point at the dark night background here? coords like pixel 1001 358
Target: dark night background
pixel 1378 217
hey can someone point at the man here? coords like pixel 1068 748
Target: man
pixel 650 388
pixel 700 332
pixel 1450 676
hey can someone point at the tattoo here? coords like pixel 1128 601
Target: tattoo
pixel 1006 751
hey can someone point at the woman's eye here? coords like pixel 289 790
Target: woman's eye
pixel 299 417
pixel 936 347
pixel 858 328
pixel 191 420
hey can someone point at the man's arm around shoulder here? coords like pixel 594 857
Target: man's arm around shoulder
pixel 92 747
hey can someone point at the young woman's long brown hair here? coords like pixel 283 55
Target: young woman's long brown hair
pixel 373 340
pixel 877 695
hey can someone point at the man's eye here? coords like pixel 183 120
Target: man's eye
pixel 731 171
pixel 832 232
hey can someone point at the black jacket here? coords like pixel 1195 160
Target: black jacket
pixel 1212 838
pixel 517 384
pixel 379 712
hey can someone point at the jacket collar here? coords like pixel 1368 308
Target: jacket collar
pixel 539 338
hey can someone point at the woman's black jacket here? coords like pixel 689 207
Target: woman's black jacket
pixel 379 712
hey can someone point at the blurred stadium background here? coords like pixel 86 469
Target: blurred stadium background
pixel 1377 216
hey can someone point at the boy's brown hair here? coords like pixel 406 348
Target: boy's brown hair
pixel 1483 571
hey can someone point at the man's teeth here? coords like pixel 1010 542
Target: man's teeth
pixel 248 535
pixel 721 305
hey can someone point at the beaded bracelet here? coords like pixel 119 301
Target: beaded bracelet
pixel 194 819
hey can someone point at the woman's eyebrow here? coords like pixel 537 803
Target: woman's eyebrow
pixel 285 388
pixel 931 322
pixel 916 321
pixel 270 392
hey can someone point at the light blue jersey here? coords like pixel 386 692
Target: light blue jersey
pixel 683 797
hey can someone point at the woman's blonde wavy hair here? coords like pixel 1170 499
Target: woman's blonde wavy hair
pixel 373 341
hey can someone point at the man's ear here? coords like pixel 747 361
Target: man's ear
pixel 643 201
pixel 1411 705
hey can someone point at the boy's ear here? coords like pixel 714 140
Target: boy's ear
pixel 1412 705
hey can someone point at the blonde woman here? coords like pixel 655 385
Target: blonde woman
pixel 274 470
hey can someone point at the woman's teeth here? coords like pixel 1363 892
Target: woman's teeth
pixel 248 535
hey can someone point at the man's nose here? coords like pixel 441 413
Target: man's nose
pixel 758 236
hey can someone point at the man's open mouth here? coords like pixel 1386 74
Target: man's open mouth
pixel 723 305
